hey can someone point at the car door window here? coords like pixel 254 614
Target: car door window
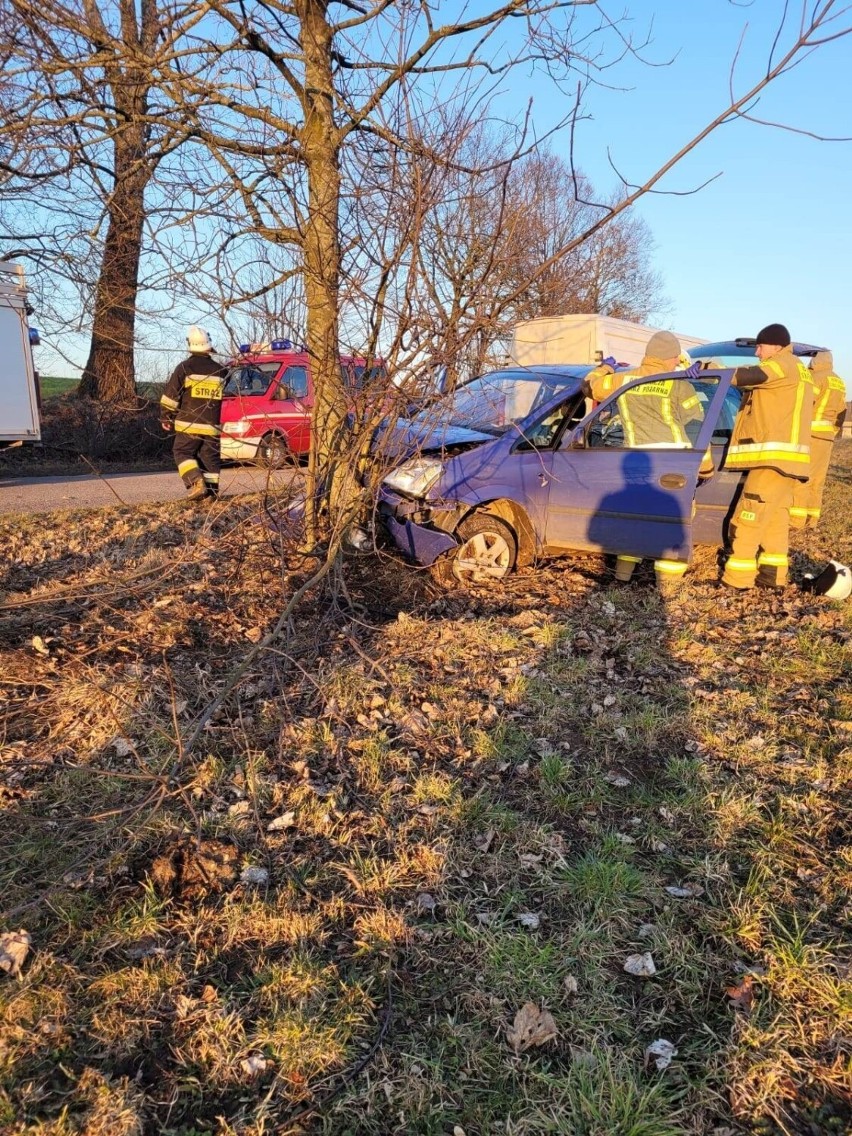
pixel 294 383
pixel 665 413
pixel 544 433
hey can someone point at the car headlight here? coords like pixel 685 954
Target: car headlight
pixel 238 428
pixel 415 477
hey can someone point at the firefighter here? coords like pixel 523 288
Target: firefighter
pixel 668 413
pixel 771 442
pixel 191 406
pixel 828 418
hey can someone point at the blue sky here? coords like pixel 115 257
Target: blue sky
pixel 771 239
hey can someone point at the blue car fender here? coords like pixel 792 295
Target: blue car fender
pixel 490 498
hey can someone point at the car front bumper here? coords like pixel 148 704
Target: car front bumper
pixel 238 449
pixel 418 540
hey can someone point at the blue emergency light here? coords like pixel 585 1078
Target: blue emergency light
pixel 281 344
pixel 35 338
pixel 244 348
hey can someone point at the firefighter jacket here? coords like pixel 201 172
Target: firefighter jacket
pixel 773 427
pixel 192 400
pixel 829 397
pixel 665 414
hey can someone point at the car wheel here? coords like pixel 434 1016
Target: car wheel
pixel 273 452
pixel 487 551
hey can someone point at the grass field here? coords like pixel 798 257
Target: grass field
pixel 392 883
pixel 53 386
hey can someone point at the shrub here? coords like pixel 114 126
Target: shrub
pixel 103 431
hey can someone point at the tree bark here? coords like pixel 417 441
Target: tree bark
pixel 109 372
pixel 329 484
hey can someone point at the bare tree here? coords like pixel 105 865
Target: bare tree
pixel 88 138
pixel 297 85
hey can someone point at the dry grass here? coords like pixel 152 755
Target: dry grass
pixel 418 774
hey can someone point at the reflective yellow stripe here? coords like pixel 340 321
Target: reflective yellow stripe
pixel 670 567
pixel 798 511
pixel 814 512
pixel 629 431
pixel 212 478
pixel 740 565
pixel 630 559
pixel 690 402
pixel 186 466
pixel 773 559
pixel 199 428
pixel 801 389
pixel 168 403
pixel 677 434
pixel 778 451
pixel 775 368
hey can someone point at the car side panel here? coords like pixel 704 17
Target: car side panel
pixel 637 501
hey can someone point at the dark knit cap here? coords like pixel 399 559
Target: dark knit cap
pixel 774 335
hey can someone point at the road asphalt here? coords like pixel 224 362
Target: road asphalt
pixel 44 494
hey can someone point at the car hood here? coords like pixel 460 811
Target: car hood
pixel 402 437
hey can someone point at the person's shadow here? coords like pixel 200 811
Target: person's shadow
pixel 632 519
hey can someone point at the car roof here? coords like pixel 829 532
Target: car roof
pixel 545 371
pixel 744 346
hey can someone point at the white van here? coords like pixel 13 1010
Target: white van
pixel 19 398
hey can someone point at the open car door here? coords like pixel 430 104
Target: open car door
pixel 624 481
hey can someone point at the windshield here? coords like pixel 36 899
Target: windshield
pixel 494 403
pixel 250 378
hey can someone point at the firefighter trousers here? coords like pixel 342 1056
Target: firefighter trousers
pixel 760 531
pixel 807 495
pixel 197 456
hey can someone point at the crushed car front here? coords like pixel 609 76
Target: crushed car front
pixel 458 453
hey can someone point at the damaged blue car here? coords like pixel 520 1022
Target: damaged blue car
pixel 518 465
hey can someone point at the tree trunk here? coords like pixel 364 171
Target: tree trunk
pixel 109 373
pixel 330 486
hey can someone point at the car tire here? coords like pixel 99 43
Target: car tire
pixel 273 452
pixel 488 550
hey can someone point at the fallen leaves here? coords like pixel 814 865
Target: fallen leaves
pixel 662 1052
pixel 741 995
pixel 640 965
pixel 688 891
pixel 528 919
pixel 254 876
pixel 532 1026
pixel 253 1065
pixel 286 820
pixel 14 948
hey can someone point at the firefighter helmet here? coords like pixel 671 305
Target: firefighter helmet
pixel 198 341
pixel 834 581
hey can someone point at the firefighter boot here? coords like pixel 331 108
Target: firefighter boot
pixel 624 568
pixel 196 490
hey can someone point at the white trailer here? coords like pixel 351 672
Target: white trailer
pixel 584 339
pixel 19 416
